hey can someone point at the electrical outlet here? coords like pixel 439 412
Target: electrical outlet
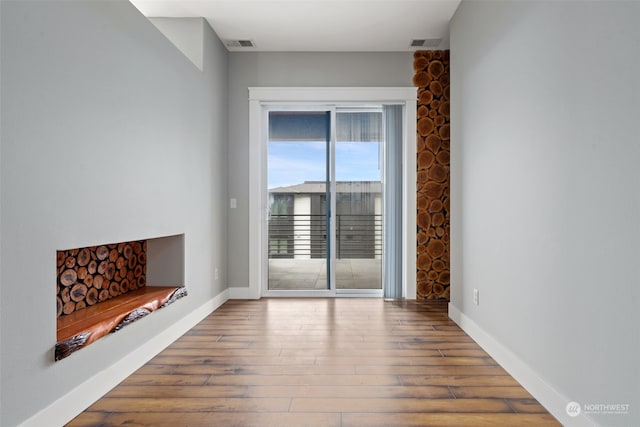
pixel 215 274
pixel 476 296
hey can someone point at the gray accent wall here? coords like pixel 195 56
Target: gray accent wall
pixel 108 134
pixel 545 186
pixel 288 69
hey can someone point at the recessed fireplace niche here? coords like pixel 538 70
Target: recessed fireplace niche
pixel 101 289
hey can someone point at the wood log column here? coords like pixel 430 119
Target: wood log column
pixel 432 78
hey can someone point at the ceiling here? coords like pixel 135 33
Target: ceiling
pixel 317 25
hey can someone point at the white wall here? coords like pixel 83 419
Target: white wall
pixel 288 69
pixel 108 134
pixel 186 34
pixel 546 198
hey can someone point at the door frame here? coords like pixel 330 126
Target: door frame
pixel 259 97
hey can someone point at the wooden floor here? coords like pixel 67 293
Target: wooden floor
pixel 320 362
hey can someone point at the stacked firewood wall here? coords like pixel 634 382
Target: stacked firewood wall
pixel 90 275
pixel 432 78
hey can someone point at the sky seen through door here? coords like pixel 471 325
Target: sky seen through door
pixel 294 162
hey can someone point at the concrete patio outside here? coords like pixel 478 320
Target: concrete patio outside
pixel 307 274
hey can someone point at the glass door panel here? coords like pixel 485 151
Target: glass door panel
pixel 298 160
pixel 358 194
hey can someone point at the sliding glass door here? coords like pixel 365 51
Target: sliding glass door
pixel 325 201
pixel 358 195
pixel 299 215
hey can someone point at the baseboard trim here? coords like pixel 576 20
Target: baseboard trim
pixel 77 400
pixel 242 293
pixel 554 401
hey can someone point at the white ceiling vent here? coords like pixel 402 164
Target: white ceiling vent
pixel 425 42
pixel 239 43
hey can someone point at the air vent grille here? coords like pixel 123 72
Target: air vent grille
pixel 425 42
pixel 239 43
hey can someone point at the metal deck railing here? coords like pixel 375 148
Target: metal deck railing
pixel 357 236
